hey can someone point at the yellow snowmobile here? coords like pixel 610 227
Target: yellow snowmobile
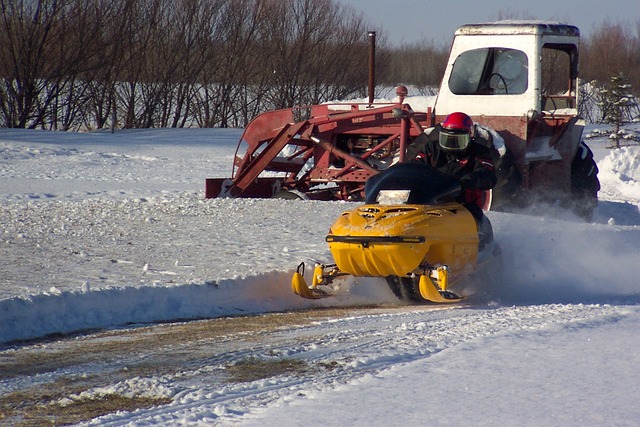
pixel 410 231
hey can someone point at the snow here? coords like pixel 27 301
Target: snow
pixel 101 230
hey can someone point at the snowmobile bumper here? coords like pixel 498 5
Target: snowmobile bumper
pixel 432 285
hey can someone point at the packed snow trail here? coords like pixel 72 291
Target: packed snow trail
pixel 349 351
pixel 197 368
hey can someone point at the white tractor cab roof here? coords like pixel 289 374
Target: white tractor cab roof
pixel 511 68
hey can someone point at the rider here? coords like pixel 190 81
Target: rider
pixel 455 148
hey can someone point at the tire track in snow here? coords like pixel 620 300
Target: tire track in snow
pixel 366 343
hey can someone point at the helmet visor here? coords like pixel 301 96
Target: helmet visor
pixel 454 139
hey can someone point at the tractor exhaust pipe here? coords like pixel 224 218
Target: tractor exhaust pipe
pixel 372 65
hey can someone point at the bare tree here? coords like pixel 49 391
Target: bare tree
pixel 421 64
pixel 101 77
pixel 27 30
pixel 612 49
pixel 339 68
pixel 311 45
pixel 190 32
pixel 134 68
pixel 76 55
pixel 140 63
pixel 229 62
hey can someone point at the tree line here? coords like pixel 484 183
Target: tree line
pixel 90 64
pixel 72 64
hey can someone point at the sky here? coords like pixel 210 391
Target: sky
pixel 409 21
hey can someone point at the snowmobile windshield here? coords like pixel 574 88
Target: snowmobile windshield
pixel 424 184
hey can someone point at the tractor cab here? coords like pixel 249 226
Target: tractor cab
pixel 520 78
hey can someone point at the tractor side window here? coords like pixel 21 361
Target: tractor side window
pixel 558 76
pixel 490 71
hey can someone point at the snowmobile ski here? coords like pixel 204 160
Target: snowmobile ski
pixel 300 287
pixel 430 292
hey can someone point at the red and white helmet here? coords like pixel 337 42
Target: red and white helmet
pixel 455 134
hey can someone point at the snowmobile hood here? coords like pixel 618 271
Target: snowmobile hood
pixel 375 240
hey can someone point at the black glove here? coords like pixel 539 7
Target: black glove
pixel 467 181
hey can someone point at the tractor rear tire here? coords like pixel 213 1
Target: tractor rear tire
pixel 507 192
pixel 584 183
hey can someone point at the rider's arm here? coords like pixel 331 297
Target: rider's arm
pixel 483 175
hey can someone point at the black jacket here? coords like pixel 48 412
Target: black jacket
pixel 473 166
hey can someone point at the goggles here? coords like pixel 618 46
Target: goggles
pixel 454 139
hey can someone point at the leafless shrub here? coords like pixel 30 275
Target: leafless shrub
pixel 419 64
pixel 613 48
pixel 90 64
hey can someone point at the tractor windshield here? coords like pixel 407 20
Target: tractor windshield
pixel 490 71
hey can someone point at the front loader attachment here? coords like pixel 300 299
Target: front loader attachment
pixel 322 152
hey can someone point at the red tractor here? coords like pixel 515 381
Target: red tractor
pixel 517 78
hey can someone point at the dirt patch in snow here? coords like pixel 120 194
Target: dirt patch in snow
pixel 51 380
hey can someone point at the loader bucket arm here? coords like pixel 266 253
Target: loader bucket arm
pixel 251 166
pixel 325 151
